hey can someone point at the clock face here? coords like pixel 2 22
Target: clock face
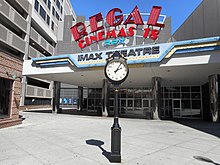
pixel 116 70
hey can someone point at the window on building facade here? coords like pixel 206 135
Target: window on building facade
pixel 52 25
pixel 61 10
pixel 48 20
pixel 42 13
pixel 49 4
pixel 36 5
pixel 53 11
pixel 58 4
pixel 57 16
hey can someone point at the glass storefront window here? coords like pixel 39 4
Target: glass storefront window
pixel 137 93
pixel 123 93
pixel 195 95
pixel 146 93
pixel 176 89
pixel 186 104
pixel 195 89
pixel 185 89
pixel 130 105
pixel 196 104
pixel 190 97
pixel 130 93
pixel 176 95
pixel 185 95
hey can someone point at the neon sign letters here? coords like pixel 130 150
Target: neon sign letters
pixel 85 36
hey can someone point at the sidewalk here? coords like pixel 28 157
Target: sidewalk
pixel 61 139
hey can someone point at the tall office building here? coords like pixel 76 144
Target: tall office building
pixel 46 19
pixel 15 18
pixel 28 29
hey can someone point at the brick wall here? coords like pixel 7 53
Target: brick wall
pixel 9 66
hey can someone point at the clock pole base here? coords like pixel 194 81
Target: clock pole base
pixel 115 158
pixel 116 142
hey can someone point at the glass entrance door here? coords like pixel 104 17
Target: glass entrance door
pixel 130 105
pixel 122 109
pixel 138 106
pixel 176 107
pixel 147 106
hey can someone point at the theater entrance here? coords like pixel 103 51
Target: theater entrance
pixel 135 106
pixel 176 104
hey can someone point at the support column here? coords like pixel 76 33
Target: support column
pixel 23 90
pixel 80 98
pixel 105 97
pixel 56 98
pixel 213 90
pixel 156 87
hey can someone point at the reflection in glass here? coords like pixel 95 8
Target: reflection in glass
pixel 137 104
pixel 186 104
pixel 123 106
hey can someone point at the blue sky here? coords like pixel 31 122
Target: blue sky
pixel 179 10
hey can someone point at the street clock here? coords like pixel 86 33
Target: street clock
pixel 116 68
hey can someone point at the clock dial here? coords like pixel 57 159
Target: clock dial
pixel 116 70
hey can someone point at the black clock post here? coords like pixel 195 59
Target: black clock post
pixel 116 133
pixel 116 71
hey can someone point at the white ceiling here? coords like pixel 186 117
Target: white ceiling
pixel 141 77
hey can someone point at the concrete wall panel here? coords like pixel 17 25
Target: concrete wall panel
pixel 198 22
pixel 188 28
pixel 210 18
pixel 206 22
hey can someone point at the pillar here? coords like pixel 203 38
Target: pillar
pixel 56 98
pixel 23 90
pixel 105 97
pixel 213 91
pixel 80 98
pixel 156 99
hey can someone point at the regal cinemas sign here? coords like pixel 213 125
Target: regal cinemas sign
pixel 96 31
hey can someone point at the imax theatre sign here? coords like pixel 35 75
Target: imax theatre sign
pixel 140 54
pixel 134 55
pixel 114 28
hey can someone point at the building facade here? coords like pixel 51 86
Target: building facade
pixel 47 19
pixel 29 29
pixel 179 81
pixel 14 38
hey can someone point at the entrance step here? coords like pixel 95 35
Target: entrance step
pixel 8 122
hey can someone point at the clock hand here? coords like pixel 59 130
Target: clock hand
pixel 118 68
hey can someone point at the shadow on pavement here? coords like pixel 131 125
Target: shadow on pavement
pixel 205 159
pixel 204 126
pixel 99 144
